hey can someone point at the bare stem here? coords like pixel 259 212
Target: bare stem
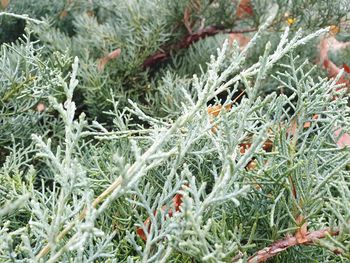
pixel 189 40
pixel 291 241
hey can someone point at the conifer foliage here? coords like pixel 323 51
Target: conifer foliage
pixel 174 131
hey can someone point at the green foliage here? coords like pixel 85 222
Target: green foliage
pixel 27 80
pixel 88 154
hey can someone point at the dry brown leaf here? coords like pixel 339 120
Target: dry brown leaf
pixel 215 110
pixel 40 107
pixel 334 30
pixel 4 3
pixel 301 234
pixel 177 202
pixel 196 5
pixel 241 39
pixel 244 9
pixel 90 13
pixel 63 14
pixel 327 44
pixel 346 68
pixel 308 123
pixel 187 17
pixel 344 140
pixel 103 61
pixel 251 166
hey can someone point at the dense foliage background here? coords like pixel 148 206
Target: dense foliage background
pixel 174 131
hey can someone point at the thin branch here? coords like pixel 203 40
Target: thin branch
pixel 291 241
pixel 188 40
pixel 103 199
pixel 24 16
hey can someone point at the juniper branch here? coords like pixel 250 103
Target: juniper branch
pixel 281 245
pixel 24 17
pixel 188 40
pixel 134 169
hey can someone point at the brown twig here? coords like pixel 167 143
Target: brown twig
pixel 188 40
pixel 244 9
pixel 291 241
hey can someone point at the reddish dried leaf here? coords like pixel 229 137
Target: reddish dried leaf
pixel 196 5
pixel 333 29
pixel 293 127
pixel 244 9
pixel 177 201
pixel 308 123
pixel 215 110
pixel 327 44
pixel 103 61
pixel 346 68
pixel 114 54
pixel 267 146
pixel 241 39
pixel 301 234
pixel 252 165
pixel 90 13
pixel 63 14
pixel 344 140
pixel 187 17
pixel 40 107
pixel 140 232
pixel 4 3
pixel 243 147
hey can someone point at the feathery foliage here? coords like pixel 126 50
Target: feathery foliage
pixel 124 138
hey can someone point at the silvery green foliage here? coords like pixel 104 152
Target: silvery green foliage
pixel 92 29
pixel 52 208
pixel 133 171
pixel 195 227
pixel 27 79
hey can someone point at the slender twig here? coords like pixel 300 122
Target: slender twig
pixel 188 40
pixel 209 91
pixel 102 199
pixel 291 241
pixel 24 16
